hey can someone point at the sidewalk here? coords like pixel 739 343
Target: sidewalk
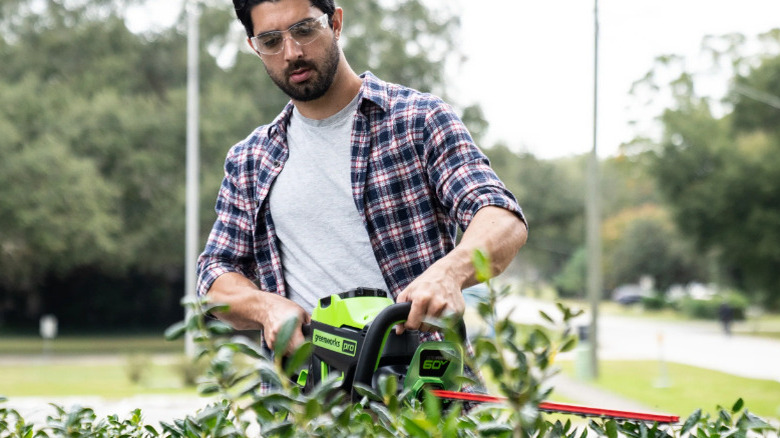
pixel 697 343
pixel 583 393
pixel 154 408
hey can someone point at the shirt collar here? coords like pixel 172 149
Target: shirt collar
pixel 372 91
pixel 279 125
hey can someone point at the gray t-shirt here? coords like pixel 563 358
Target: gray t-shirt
pixel 324 243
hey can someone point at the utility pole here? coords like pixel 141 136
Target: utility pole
pixel 593 215
pixel 193 162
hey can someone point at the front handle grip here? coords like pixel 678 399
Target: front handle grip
pixel 375 337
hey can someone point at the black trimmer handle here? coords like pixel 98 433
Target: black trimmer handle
pixel 306 331
pixel 368 359
pixel 375 336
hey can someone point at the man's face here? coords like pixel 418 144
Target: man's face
pixel 304 72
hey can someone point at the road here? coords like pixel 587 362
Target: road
pixel 700 344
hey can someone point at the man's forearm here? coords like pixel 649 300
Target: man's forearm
pixel 254 309
pixel 242 296
pixel 495 231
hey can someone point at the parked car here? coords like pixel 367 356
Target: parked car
pixel 628 294
pixel 474 324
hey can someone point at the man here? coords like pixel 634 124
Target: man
pixel 357 182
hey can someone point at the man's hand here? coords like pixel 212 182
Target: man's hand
pixel 497 232
pixel 275 312
pixel 433 294
pixel 253 309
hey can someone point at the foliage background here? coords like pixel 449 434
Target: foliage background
pixel 92 170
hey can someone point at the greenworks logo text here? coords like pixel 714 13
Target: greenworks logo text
pixel 334 343
pixel 348 347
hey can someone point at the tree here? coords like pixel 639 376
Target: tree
pixel 92 141
pixel 719 174
pixel 553 206
pixel 406 41
pixel 643 241
pixel 57 211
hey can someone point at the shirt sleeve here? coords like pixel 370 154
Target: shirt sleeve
pixel 230 244
pixel 461 173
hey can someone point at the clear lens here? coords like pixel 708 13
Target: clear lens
pixel 270 42
pixel 306 32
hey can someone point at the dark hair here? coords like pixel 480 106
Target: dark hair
pixel 244 8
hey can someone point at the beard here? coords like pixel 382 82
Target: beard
pixel 317 85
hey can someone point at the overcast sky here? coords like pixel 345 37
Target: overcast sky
pixel 530 62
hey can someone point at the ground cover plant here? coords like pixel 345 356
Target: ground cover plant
pixel 674 387
pixel 521 363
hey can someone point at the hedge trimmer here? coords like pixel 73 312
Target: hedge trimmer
pixel 354 342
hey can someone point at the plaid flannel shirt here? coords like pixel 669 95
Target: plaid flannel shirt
pixel 416 176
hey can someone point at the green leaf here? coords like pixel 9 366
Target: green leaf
pixel 381 411
pixel 217 327
pixel 209 413
pixel 493 428
pixel 248 347
pixel 691 421
pixel 284 335
pixel 326 390
pixel 432 406
pixel 643 430
pixel 564 310
pixel 366 391
pixel 267 371
pixel 299 357
pixel 547 317
pixel 612 429
pixel 596 427
pixel 211 308
pixel 388 387
pixel 738 405
pixel 208 388
pixel 413 429
pixel 176 331
pixel 724 416
pixel 482 269
pixel 542 336
pixel 285 428
pixel 749 421
pixel 569 344
pixel 734 433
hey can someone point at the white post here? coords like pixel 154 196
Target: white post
pixel 193 162
pixel 48 329
pixel 663 380
pixel 592 202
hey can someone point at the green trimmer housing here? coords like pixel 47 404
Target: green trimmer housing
pixel 354 341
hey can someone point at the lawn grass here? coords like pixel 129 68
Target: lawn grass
pixel 80 345
pixel 105 380
pixel 689 387
pixel 54 368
